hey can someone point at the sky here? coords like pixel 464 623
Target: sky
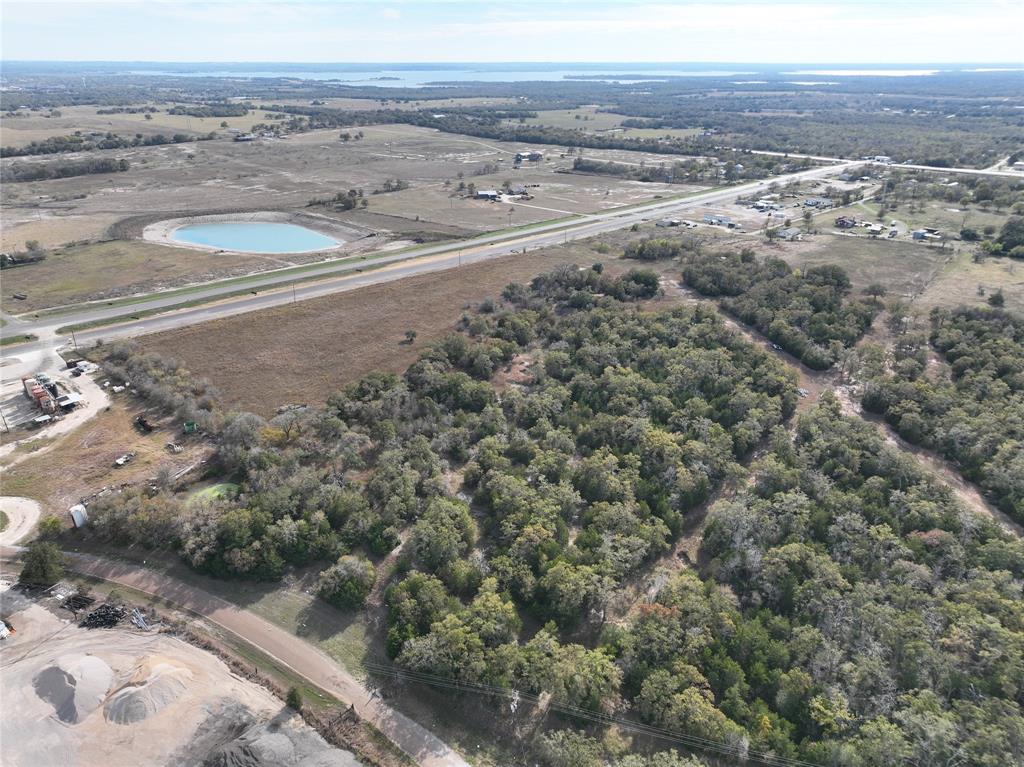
pixel 829 31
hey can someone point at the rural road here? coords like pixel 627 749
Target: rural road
pixel 268 288
pixel 425 748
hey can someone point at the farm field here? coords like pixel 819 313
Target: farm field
pixel 586 118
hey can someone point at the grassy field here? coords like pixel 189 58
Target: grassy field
pixel 18 338
pixel 947 217
pixel 52 229
pixel 3 521
pixel 962 281
pixel 302 353
pixel 35 126
pixel 115 268
pixel 904 267
pixel 585 117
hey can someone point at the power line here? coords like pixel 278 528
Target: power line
pixel 691 741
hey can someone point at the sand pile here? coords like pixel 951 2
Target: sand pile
pixel 75 685
pixel 154 683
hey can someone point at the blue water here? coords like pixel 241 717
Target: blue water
pixel 254 237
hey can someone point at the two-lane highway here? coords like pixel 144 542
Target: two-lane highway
pixel 276 288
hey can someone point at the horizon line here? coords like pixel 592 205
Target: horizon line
pixel 588 62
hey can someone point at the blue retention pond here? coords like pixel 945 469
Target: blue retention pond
pixel 254 237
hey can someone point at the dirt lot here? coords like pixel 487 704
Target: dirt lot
pixel 302 353
pixel 283 174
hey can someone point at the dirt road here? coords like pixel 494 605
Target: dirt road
pixel 22 515
pixel 424 747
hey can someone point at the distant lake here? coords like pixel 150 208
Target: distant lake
pixel 418 75
pixel 417 78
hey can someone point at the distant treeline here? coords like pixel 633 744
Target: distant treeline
pixel 689 171
pixel 78 142
pixel 210 110
pixel 951 118
pixel 41 171
pixel 504 125
pixel 822 127
pixel 676 173
pixel 127 111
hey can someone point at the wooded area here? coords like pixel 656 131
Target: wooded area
pixel 970 410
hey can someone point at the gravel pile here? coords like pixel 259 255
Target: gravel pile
pixel 75 686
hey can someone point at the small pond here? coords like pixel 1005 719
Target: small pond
pixel 254 237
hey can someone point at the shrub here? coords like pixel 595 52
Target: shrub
pixel 347 582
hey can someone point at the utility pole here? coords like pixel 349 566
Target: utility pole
pixel 74 340
pixel 293 295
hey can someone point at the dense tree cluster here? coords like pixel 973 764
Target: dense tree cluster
pixel 807 313
pixel 1011 237
pixel 903 186
pixel 211 110
pixel 971 412
pixel 84 142
pixel 658 249
pixel 878 622
pixel 41 171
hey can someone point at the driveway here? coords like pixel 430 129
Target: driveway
pixel 22 515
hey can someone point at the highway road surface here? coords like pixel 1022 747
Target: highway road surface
pixel 272 289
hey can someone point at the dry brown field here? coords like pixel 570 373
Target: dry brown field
pixel 302 353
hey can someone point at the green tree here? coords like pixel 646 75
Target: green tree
pixel 443 534
pixel 294 699
pixel 1012 233
pixel 43 564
